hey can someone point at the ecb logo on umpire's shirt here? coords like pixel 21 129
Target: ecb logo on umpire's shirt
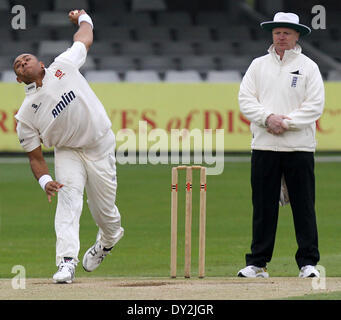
pixel 294 82
pixel 294 78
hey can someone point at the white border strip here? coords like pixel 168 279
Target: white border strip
pixel 231 159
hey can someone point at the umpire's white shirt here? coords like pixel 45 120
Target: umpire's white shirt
pixel 64 112
pixel 293 87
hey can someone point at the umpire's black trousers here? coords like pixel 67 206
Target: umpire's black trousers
pixel 267 168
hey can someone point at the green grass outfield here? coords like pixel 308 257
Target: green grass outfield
pixel 27 224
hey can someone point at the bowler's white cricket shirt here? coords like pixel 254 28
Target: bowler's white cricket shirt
pixel 64 112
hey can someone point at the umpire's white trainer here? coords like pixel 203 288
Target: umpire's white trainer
pixel 66 271
pixel 309 271
pixel 253 272
pixel 94 256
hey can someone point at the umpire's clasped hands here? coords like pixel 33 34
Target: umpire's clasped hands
pixel 275 124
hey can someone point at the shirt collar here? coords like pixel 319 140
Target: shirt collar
pixel 288 54
pixel 32 87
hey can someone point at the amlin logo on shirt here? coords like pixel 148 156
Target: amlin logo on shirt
pixel 66 99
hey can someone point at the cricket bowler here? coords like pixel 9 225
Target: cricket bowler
pixel 60 110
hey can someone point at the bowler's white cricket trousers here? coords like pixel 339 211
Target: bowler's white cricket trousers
pixel 76 171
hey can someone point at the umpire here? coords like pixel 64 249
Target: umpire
pixel 282 94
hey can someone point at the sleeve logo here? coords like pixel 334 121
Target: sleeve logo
pixel 59 74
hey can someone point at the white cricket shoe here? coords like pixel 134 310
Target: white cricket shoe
pixel 253 272
pixel 309 271
pixel 94 256
pixel 66 271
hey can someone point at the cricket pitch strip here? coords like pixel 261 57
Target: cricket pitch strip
pixel 209 288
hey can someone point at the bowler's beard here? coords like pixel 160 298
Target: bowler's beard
pixel 33 78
